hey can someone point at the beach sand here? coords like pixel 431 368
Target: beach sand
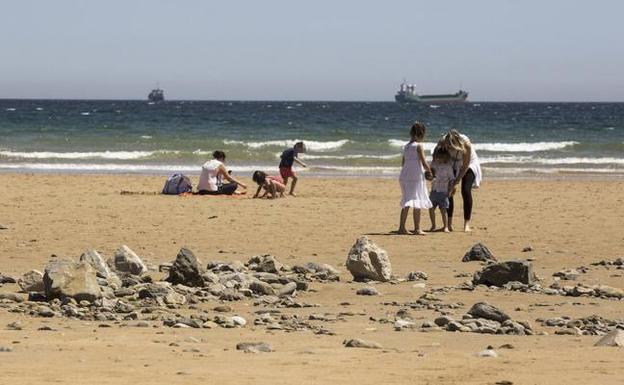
pixel 569 223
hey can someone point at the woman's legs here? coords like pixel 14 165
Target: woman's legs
pixel 417 229
pixel 466 191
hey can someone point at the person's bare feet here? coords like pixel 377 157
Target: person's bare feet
pixel 419 232
pixel 467 227
pixel 445 230
pixel 402 231
pixel 292 194
pixel 432 229
pixel 450 228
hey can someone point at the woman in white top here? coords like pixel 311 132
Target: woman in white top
pixel 467 171
pixel 212 176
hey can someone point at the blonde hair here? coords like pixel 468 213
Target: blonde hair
pixel 454 140
pixel 418 130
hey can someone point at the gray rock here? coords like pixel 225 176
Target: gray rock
pixel 31 281
pixel 70 279
pixel 568 274
pixel 443 320
pixel 608 291
pixel 15 325
pixel 14 297
pixel 93 258
pixel 126 260
pixel 261 288
pixel 359 343
pixel 501 273
pixel 254 347
pixel 487 311
pixel 487 353
pixel 186 269
pixel 4 349
pixel 417 276
pixel 479 252
pixel 3 227
pixel 367 261
pixel 288 289
pixel 614 338
pixel 6 279
pixel 265 263
pixel 367 291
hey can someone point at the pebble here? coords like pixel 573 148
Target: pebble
pixel 254 347
pixel 364 344
pixel 367 291
pixel 239 321
pixel 487 353
pixel 4 349
pixel 16 325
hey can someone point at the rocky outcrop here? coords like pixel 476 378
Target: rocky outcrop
pixel 186 269
pixel 66 279
pixel 367 261
pixel 93 258
pixel 499 274
pixel 487 311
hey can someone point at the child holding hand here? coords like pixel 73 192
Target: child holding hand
pixel 443 178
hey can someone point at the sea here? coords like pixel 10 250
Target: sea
pixel 343 138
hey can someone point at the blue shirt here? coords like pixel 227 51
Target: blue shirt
pixel 288 157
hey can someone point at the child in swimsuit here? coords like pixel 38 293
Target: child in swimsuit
pixel 272 185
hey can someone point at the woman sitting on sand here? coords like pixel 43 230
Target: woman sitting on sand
pixel 212 176
pixel 467 170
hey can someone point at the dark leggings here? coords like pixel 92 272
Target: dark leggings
pixel 466 192
pixel 226 189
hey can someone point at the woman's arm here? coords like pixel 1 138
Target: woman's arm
pixel 465 162
pixel 421 155
pixel 228 177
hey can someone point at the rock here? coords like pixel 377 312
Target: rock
pixel 479 252
pixel 4 349
pixel 70 279
pixel 239 321
pixel 254 347
pixel 487 311
pixel 443 320
pixel 15 325
pixel 186 270
pixel 7 279
pixel 401 324
pixel 499 274
pixel 3 227
pixel 359 343
pixel 417 276
pixel 288 289
pixel 31 281
pixel 367 291
pixel 487 353
pixel 14 297
pixel 96 261
pixel 568 274
pixel 367 261
pixel 526 249
pixel 264 263
pixel 261 288
pixel 608 291
pixel 125 260
pixel 614 338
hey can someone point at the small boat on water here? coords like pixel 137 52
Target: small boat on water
pixel 407 95
pixel 156 95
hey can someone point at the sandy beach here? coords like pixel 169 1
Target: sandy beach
pixel 568 223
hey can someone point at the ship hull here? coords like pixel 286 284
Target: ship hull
pixel 431 99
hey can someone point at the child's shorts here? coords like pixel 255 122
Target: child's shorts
pixel 286 172
pixel 439 199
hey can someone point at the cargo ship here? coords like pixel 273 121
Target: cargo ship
pixel 407 94
pixel 157 95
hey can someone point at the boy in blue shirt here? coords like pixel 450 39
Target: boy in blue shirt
pixel 289 157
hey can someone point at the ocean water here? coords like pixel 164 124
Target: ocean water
pixel 343 138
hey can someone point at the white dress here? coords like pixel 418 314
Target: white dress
pixel 412 179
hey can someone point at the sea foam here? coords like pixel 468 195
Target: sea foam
pixel 310 144
pixel 501 147
pixel 120 155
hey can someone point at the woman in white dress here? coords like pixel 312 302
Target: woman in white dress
pixel 412 179
pixel 467 171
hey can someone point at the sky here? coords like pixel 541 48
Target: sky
pixel 498 50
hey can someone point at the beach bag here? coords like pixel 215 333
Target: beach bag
pixel 177 184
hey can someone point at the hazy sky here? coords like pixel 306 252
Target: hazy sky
pixel 314 50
